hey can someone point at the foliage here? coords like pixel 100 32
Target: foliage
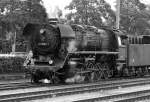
pixel 15 14
pixel 58 12
pixel 21 46
pixel 5 46
pixel 19 11
pixel 91 12
pixel 134 17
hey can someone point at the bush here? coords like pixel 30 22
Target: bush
pixel 11 65
pixel 21 47
pixel 5 46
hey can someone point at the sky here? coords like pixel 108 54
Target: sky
pixel 51 5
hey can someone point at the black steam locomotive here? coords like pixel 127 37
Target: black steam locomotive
pixel 81 53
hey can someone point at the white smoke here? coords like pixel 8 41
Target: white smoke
pixel 53 5
pixel 75 79
pixel 72 46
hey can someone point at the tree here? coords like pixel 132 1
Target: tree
pixel 14 14
pixel 91 12
pixel 58 12
pixel 134 17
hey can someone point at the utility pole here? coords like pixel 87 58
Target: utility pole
pixel 86 19
pixel 118 15
pixel 85 16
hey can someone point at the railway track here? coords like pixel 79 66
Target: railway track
pixel 14 86
pixel 64 90
pixel 4 83
pixel 27 84
pixel 123 97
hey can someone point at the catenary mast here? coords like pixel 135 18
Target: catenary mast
pixel 118 14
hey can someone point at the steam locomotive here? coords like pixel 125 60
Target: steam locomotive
pixel 80 53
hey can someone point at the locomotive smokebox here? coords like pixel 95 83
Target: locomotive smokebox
pixel 43 39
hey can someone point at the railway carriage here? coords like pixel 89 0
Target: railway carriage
pixel 81 53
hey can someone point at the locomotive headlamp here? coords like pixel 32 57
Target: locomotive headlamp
pixel 50 62
pixel 42 31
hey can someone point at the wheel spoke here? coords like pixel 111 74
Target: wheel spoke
pixel 90 66
pixel 100 71
pixel 55 79
pixel 96 71
pixel 126 71
pixel 106 71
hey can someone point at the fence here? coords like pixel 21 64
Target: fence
pixel 11 64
